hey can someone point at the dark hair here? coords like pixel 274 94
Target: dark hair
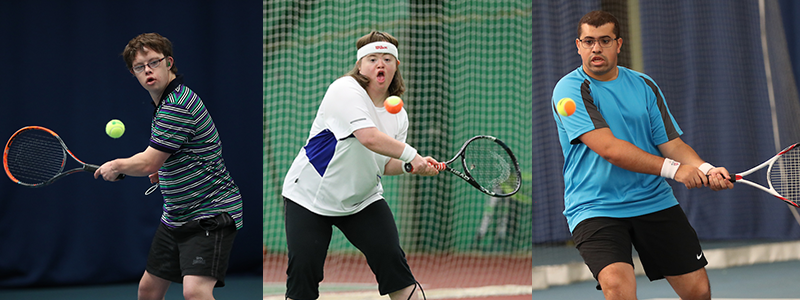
pixel 397 87
pixel 599 18
pixel 152 41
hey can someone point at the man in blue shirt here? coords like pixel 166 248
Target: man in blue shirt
pixel 619 146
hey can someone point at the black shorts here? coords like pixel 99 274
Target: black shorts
pixel 665 241
pixel 372 230
pixel 197 248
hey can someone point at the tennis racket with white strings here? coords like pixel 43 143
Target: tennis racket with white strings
pixel 35 156
pixel 486 163
pixel 783 176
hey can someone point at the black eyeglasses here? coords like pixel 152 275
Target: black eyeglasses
pixel 604 42
pixel 153 64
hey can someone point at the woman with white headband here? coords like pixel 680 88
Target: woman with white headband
pixel 335 180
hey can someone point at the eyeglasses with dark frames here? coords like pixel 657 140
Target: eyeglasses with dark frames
pixel 604 42
pixel 153 64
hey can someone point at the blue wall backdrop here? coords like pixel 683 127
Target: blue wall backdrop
pixel 60 67
pixel 790 9
pixel 708 59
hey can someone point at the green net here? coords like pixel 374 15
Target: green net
pixel 467 68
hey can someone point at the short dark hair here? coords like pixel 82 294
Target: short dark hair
pixel 599 18
pixel 152 41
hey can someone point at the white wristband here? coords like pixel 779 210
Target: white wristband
pixel 669 168
pixel 705 167
pixel 408 154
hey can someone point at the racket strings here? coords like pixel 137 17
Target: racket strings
pixel 784 176
pixel 490 165
pixel 35 156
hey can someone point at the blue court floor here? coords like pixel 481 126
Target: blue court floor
pixel 761 281
pixel 236 287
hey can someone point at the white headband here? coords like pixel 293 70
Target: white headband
pixel 377 47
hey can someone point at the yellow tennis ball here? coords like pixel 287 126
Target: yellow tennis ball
pixel 566 107
pixel 115 128
pixel 393 104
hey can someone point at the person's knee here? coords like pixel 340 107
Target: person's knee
pixel 196 294
pixel 704 292
pixel 615 284
pixel 198 287
pixel 307 263
pixel 617 279
pixel 152 287
pixel 146 292
pixel 700 291
pixel 692 286
pixel 706 295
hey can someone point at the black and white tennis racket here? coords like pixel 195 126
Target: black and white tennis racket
pixel 487 164
pixel 783 175
pixel 36 156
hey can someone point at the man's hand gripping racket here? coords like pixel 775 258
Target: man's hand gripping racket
pixel 487 164
pixel 783 176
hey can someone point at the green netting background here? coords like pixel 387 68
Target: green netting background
pixel 467 67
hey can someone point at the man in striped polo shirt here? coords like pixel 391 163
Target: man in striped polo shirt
pixel 202 204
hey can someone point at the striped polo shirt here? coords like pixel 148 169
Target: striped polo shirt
pixel 194 181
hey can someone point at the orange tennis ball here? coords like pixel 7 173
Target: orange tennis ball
pixel 565 107
pixel 393 104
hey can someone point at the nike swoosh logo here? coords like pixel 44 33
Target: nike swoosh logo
pixel 699 256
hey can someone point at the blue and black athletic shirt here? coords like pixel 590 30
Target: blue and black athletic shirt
pixel 633 108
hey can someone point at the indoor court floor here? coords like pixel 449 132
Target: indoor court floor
pixel 771 281
pixel 236 287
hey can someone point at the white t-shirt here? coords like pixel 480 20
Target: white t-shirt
pixel 334 174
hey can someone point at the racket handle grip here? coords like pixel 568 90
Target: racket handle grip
pixel 733 178
pixel 93 168
pixel 409 168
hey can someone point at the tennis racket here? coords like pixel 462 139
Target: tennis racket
pixel 486 163
pixel 783 175
pixel 36 156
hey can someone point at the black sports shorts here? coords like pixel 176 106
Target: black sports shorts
pixel 197 248
pixel 665 241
